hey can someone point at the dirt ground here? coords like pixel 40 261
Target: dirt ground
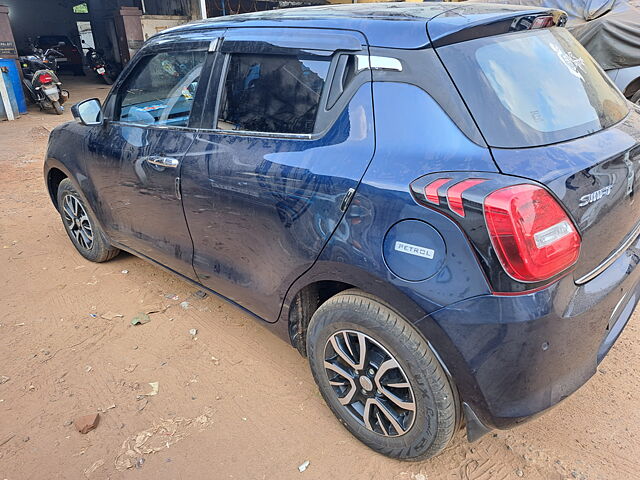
pixel 233 402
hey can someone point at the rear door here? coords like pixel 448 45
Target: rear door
pixel 288 137
pixel 550 114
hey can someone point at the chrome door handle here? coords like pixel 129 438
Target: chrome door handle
pixel 166 162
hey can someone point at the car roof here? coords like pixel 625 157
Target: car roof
pixel 394 25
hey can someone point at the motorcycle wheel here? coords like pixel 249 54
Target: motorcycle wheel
pixel 58 108
pixel 107 79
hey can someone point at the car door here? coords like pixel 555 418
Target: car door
pixel 286 136
pixel 135 158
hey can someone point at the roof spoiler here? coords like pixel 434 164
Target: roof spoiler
pixel 446 30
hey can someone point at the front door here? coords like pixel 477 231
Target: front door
pixel 267 179
pixel 135 158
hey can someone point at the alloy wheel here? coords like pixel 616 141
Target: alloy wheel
pixel 370 383
pixel 77 221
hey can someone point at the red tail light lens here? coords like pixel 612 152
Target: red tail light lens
pixel 531 233
pixel 45 78
pixel 543 22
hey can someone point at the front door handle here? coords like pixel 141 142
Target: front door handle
pixel 166 162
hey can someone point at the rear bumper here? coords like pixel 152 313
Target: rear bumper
pixel 519 355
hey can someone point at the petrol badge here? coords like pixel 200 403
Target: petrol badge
pixel 415 250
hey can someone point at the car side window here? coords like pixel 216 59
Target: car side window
pixel 161 89
pixel 272 93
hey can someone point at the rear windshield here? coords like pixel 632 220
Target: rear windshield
pixel 533 88
pixel 52 39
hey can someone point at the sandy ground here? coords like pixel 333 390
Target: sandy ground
pixel 235 402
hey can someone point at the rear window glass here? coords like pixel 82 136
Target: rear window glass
pixel 533 88
pixel 272 93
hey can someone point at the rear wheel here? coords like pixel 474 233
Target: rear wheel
pixel 380 378
pixel 82 228
pixel 636 98
pixel 107 79
pixel 57 107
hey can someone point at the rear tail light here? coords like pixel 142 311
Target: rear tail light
pixel 543 22
pixel 532 235
pixel 45 78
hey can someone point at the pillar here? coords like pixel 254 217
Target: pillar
pixel 128 23
pixel 7 42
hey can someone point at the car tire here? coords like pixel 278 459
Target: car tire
pixel 635 98
pixel 81 226
pixel 399 374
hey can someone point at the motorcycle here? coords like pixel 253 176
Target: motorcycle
pixel 100 66
pixel 41 82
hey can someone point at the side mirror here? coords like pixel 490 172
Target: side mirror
pixel 88 112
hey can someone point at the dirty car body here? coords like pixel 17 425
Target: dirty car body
pixel 423 124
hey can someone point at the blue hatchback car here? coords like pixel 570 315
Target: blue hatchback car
pixel 434 202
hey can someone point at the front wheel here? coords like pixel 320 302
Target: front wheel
pixel 57 107
pixel 82 228
pixel 380 377
pixel 636 98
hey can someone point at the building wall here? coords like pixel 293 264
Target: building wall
pixel 152 24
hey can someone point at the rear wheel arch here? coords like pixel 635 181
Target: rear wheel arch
pixel 319 285
pixel 328 278
pixel 304 304
pixel 309 298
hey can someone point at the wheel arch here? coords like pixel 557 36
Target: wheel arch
pixel 53 178
pixel 304 304
pixel 54 173
pixel 327 279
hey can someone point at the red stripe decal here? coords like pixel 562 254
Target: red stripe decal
pixel 454 194
pixel 431 190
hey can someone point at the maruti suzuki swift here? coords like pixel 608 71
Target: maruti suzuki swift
pixel 435 203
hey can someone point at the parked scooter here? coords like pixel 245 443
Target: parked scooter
pixel 41 81
pixel 100 66
pixel 40 60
